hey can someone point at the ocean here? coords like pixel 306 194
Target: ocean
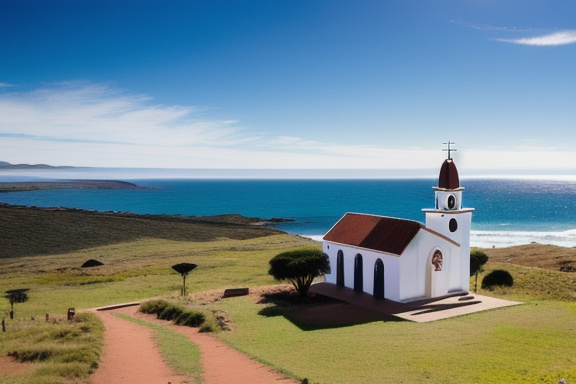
pixel 507 212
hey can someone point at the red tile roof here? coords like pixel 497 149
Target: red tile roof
pixel 448 178
pixel 379 233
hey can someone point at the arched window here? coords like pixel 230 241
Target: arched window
pixel 358 275
pixel 379 280
pixel 340 269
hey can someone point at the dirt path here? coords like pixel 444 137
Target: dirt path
pixel 221 363
pixel 130 355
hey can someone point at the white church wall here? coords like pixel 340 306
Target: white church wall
pixel 411 276
pixel 415 267
pixel 440 222
pixel 328 248
pixel 454 269
pixel 369 258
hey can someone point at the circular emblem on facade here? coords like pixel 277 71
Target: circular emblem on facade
pixel 451 202
pixel 453 225
pixel 437 260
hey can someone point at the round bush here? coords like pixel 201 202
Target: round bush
pixel 171 312
pixel 497 277
pixel 195 319
pixel 154 307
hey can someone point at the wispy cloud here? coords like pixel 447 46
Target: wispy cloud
pixel 492 28
pixel 549 39
pixel 552 39
pixel 85 124
pixel 98 113
pixel 5 85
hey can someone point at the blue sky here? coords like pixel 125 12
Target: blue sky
pixel 289 84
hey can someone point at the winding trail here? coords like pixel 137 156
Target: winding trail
pixel 130 356
pixel 126 356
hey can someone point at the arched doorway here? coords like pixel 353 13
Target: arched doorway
pixel 379 280
pixel 340 269
pixel 358 274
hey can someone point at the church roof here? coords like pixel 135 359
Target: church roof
pixel 448 178
pixel 379 233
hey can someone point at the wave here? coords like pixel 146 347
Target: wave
pixel 502 239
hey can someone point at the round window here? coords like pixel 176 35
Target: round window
pixel 451 202
pixel 453 225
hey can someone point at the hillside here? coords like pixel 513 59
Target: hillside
pixel 536 255
pixel 26 231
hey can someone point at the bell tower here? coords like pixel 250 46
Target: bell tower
pixel 448 218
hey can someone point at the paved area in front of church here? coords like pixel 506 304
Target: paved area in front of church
pixel 420 311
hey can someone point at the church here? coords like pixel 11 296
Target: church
pixel 404 260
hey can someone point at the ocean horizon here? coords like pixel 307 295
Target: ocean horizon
pixel 507 211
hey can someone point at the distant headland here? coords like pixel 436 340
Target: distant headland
pixel 6 165
pixel 23 186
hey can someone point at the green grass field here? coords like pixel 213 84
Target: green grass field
pixel 531 343
pixel 57 352
pixel 137 270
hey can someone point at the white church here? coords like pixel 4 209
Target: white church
pixel 404 260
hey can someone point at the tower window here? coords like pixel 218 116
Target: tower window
pixel 451 202
pixel 453 225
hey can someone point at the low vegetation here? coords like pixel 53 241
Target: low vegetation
pixel 497 278
pixel 175 313
pixel 62 351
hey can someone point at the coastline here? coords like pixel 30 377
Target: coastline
pixel 24 186
pixel 508 214
pixel 36 231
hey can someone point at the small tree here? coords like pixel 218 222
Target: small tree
pixel 300 267
pixel 16 296
pixel 477 261
pixel 184 269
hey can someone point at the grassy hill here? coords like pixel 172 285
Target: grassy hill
pixel 536 255
pixel 28 231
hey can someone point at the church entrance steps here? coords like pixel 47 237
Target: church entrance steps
pixel 420 311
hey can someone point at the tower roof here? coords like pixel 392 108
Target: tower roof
pixel 448 178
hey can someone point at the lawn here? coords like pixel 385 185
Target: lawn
pixel 531 343
pixel 137 270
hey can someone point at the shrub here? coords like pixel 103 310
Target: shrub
pixel 497 277
pixel 180 319
pixel 194 319
pixel 171 312
pixel 178 315
pixel 204 328
pixel 154 307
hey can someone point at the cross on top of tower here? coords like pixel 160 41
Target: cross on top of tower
pixel 449 149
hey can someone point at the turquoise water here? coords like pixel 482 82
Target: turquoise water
pixel 507 212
